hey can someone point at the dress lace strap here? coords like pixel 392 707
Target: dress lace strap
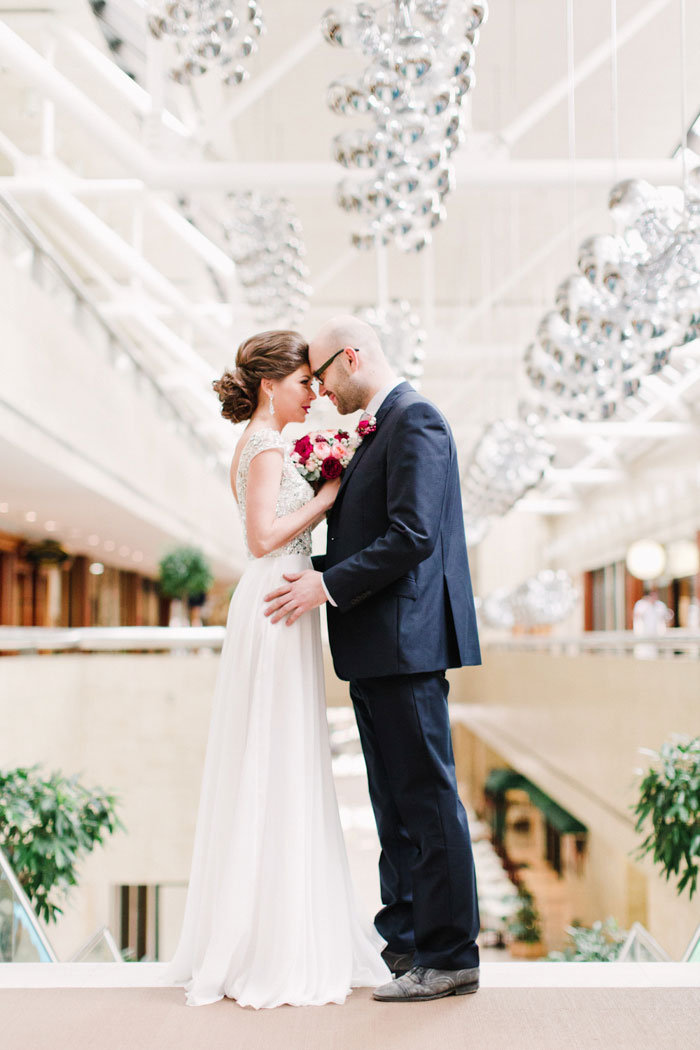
pixel 260 441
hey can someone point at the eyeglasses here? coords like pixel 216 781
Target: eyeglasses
pixel 318 374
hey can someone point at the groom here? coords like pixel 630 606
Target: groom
pixel 400 611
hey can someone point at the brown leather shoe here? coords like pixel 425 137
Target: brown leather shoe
pixel 421 984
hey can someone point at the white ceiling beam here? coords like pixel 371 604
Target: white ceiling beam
pixel 334 268
pixel 578 475
pixel 245 97
pixel 109 72
pixel 208 251
pixel 620 431
pixel 17 55
pixel 309 177
pixel 558 93
pixel 542 505
pixel 470 171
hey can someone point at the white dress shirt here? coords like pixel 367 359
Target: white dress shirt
pixel 373 406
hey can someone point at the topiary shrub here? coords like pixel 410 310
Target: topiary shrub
pixel 185 572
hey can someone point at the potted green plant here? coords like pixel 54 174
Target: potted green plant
pixel 185 576
pixel 47 826
pixel 669 798
pixel 46 552
pixel 525 928
pixel 600 942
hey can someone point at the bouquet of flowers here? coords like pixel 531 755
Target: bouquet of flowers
pixel 324 454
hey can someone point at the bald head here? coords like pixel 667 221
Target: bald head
pixel 341 331
pixel 353 376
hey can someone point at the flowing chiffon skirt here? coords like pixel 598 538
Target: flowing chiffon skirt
pixel 271 916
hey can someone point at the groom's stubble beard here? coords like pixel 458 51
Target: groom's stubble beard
pixel 349 395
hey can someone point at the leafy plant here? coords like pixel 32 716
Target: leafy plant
pixel 600 942
pixel 670 798
pixel 47 826
pixel 526 925
pixel 184 572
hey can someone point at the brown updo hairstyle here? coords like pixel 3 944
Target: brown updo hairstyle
pixel 268 355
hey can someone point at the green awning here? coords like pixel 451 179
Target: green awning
pixel 501 780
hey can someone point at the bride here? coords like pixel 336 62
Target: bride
pixel 270 916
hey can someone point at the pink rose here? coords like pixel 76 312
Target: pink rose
pixel 337 451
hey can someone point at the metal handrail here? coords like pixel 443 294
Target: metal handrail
pixel 675 640
pixel 108 639
pixel 135 639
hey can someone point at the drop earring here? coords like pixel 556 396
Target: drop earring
pixel 272 405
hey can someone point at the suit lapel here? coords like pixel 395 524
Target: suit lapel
pixel 381 413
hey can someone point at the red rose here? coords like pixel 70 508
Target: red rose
pixel 366 426
pixel 331 468
pixel 303 448
pixel 342 435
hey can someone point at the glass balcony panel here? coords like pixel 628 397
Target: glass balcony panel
pixel 21 937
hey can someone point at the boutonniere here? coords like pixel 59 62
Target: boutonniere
pixel 366 427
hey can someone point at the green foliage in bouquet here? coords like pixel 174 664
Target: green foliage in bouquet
pixel 526 925
pixel 184 572
pixel 600 942
pixel 47 826
pixel 670 799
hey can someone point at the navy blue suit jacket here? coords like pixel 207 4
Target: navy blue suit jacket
pixel 396 560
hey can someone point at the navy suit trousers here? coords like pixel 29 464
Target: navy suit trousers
pixel 426 868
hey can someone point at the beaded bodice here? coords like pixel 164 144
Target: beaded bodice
pixel 294 491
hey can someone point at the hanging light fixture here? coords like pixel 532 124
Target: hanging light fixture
pixel 645 560
pixel 209 34
pixel 264 236
pixel 509 459
pixel 420 69
pixel 542 600
pixel 636 297
pixel 401 335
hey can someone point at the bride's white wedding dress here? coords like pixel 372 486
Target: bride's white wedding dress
pixel 270 916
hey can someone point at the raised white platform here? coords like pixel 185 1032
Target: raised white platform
pixel 493 975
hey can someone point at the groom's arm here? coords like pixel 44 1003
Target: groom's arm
pixel 417 474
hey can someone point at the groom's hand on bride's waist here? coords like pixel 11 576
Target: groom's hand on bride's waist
pixel 302 591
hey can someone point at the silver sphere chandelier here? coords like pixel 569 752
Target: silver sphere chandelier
pixel 635 298
pixel 509 459
pixel 401 335
pixel 421 68
pixel 264 238
pixel 209 34
pixel 541 601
